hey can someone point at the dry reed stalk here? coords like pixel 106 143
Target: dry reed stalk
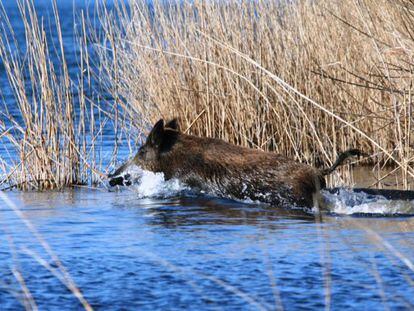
pixel 27 300
pixel 252 301
pixel 249 72
pixel 50 133
pixel 60 272
pixel 253 72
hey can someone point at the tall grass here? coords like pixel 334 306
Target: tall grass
pixel 302 78
pixel 50 134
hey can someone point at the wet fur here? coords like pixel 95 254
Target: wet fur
pixel 223 169
pixel 217 167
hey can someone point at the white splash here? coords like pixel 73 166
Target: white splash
pixel 150 184
pixel 348 202
pixel 345 202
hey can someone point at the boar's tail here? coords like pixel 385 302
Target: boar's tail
pixel 341 158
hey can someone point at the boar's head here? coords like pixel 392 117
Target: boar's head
pixel 160 140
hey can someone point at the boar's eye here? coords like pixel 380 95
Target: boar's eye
pixel 142 151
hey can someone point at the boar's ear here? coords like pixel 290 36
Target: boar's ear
pixel 173 124
pixel 155 137
pixel 169 139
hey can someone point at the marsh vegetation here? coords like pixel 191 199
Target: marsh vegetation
pixel 305 79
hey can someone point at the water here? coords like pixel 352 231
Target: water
pixel 158 245
pixel 201 252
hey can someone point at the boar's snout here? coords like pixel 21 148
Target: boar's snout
pixel 120 180
pixel 121 177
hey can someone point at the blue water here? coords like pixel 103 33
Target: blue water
pixel 202 253
pixel 126 250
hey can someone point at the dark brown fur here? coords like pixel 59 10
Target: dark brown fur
pixel 223 169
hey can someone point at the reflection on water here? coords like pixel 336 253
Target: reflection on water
pixel 200 252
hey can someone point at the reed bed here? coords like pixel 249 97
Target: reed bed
pixel 304 78
pixel 51 132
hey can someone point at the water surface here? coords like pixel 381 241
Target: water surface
pixel 202 253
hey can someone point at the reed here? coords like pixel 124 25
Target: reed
pixel 306 79
pixel 302 78
pixel 50 134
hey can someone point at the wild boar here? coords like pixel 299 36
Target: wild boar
pixel 226 170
